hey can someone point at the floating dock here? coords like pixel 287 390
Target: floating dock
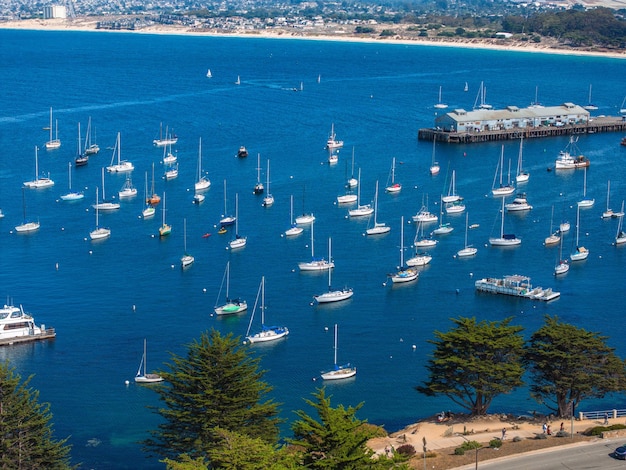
pixel 515 285
pixel 48 333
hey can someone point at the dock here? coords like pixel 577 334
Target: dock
pixel 516 286
pixel 593 126
pixel 48 333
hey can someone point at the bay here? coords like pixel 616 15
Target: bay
pixel 105 298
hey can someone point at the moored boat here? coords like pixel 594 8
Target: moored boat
pixel 515 285
pixel 16 326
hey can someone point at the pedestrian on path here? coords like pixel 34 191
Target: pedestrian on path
pixel 562 428
pixel 545 427
pixel 606 419
pixel 503 434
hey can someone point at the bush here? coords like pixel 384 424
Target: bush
pixel 517 439
pixel 597 430
pixel 467 445
pixel 459 451
pixel 541 436
pixel 406 449
pixel 562 434
pixel 495 443
pixel 387 33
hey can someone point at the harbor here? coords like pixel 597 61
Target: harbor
pixel 517 286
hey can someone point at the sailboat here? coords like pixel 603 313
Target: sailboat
pixel 38 183
pixel 554 237
pixel 333 295
pixel 154 198
pixel 481 98
pixel 169 139
pixel 379 227
pixel 466 87
pixel 444 228
pixel 332 143
pixel 186 260
pixel 121 165
pixel 580 253
pixel 333 157
pixel 316 264
pixel 267 333
pixel 467 250
pixel 99 232
pixel 350 197
pixel 238 241
pixel 258 187
pixel 608 213
pixel 339 372
pixel 230 306
pixel 421 258
pixel 305 218
pixel 209 74
pixel 71 195
pixel 106 205
pixel 393 187
pixel 142 376
pixel 424 215
pixel 149 209
pixel 505 239
pixel 620 237
pixel 352 181
pixel 403 274
pixel 522 176
pixel 81 158
pixel 562 265
pixel 202 183
pixel 585 202
pixel 91 147
pixel 165 229
pixel 293 229
pixel 502 189
pixel 434 164
pixel 226 219
pixel 420 240
pixel 171 171
pixel 440 104
pixel 128 189
pixel 26 226
pixel 452 194
pixel 238 82
pixel 53 143
pixel 361 210
pixel 590 106
pixel 268 200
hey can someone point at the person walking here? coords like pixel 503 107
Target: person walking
pixel 606 419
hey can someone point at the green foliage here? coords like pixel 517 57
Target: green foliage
pixel 475 362
pixel 495 443
pixel 26 436
pixel 406 449
pixel 364 30
pixel 185 462
pixel 597 430
pixel 218 386
pixel 467 445
pixel 337 440
pixel 568 364
pixel 387 33
pixel 459 451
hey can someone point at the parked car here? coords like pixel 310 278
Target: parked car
pixel 620 452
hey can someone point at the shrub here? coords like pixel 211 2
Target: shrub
pixel 541 436
pixel 406 449
pixel 517 439
pixel 387 33
pixel 495 443
pixel 562 434
pixel 597 430
pixel 459 451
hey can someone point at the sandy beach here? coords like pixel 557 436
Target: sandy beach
pixel 89 24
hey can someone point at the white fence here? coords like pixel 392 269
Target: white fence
pixel 612 414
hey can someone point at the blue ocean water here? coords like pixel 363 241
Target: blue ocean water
pixel 105 298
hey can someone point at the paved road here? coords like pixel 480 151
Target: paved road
pixel 596 455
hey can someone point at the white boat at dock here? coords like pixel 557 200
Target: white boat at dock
pixel 16 326
pixel 515 285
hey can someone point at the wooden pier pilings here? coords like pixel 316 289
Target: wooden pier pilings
pixel 599 124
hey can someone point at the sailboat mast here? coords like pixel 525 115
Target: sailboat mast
pixel 335 348
pixel 145 356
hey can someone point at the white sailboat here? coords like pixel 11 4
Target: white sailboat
pixel 361 210
pixel 99 233
pixel 403 274
pixel 333 295
pixel 81 158
pixel 333 157
pixel 424 215
pixel 91 147
pixel 554 237
pixel 608 213
pixel 26 226
pixel 53 143
pixel 267 333
pixel 305 218
pixel 502 189
pixel 226 219
pixel 590 106
pixel 421 258
pixel 562 265
pixel 149 209
pixel 467 250
pixel 258 187
pixel 520 203
pixel 444 228
pixel 238 82
pixel 452 194
pixel 209 74
pixel 38 183
pixel 379 227
pixel 585 202
pixel 238 241
pixel 580 253
pixel 121 165
pixel 392 186
pixel 522 176
pixel 128 189
pixel 168 139
pixel 71 195
pixel 434 164
pixel 440 104
pixel 142 376
pixel 202 183
pixel 505 239
pixel 339 372
pixel 332 143
pixel 350 197
pixel 186 260
pixel 420 240
pixel 268 200
pixel 316 264
pixel 481 98
pixel 106 205
pixel 293 229
pixel 352 181
pixel 165 229
pixel 620 236
pixel 171 171
pixel 229 306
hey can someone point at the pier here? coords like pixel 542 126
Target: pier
pixel 48 333
pixel 595 125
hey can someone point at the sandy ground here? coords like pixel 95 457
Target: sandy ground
pixel 89 24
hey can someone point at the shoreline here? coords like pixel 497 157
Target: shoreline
pixel 89 25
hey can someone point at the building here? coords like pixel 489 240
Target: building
pixel 512 118
pixel 54 11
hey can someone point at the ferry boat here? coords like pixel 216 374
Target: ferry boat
pixel 515 285
pixel 17 327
